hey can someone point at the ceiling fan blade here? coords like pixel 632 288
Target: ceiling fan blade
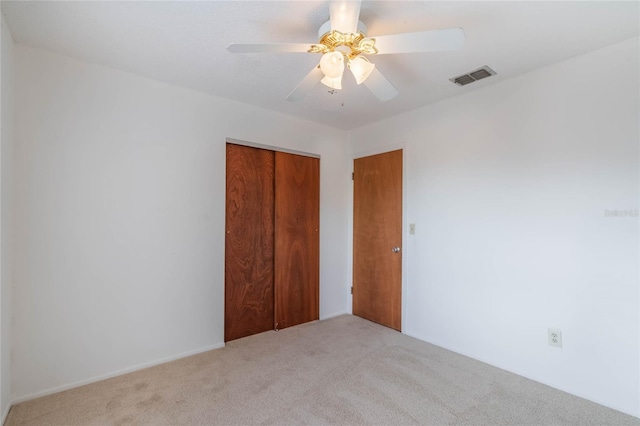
pixel 380 86
pixel 269 48
pixel 422 41
pixel 307 83
pixel 344 16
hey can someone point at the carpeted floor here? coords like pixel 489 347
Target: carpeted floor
pixel 344 370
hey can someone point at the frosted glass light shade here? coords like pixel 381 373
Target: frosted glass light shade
pixel 334 83
pixel 332 64
pixel 361 68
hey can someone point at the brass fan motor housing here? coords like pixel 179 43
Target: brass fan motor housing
pixel 357 43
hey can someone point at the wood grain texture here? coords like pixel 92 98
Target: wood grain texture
pixel 377 229
pixel 249 242
pixel 297 248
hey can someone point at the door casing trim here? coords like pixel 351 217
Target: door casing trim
pixel 271 148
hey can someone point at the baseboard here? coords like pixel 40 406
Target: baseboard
pixel 101 377
pixel 6 413
pixel 333 315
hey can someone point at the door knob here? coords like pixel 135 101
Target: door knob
pixel 396 249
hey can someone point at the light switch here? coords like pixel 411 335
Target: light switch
pixel 412 228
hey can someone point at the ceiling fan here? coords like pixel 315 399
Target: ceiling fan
pixel 343 40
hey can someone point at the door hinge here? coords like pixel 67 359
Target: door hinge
pixel 351 289
pixel 353 176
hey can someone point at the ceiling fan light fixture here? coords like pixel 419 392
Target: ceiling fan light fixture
pixel 332 64
pixel 361 68
pixel 333 83
pixel 343 40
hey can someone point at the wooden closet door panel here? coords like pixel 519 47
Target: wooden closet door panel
pixel 297 244
pixel 249 303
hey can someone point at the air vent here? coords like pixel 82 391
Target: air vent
pixel 476 75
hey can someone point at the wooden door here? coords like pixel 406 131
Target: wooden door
pixel 297 221
pixel 249 242
pixel 377 238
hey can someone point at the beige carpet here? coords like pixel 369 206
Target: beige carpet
pixel 340 371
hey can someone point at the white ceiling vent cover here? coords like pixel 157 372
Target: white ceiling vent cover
pixel 475 75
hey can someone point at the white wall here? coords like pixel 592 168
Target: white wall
pixel 508 187
pixel 120 218
pixel 6 155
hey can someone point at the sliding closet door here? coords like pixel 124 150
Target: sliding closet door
pixel 249 243
pixel 297 221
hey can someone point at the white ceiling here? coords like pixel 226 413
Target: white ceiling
pixel 184 43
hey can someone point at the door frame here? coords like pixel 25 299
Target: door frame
pixel 405 252
pixel 270 148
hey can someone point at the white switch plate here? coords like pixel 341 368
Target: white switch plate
pixel 555 337
pixel 412 228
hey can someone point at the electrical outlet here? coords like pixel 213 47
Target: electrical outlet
pixel 555 337
pixel 412 228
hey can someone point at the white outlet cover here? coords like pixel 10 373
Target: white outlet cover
pixel 555 337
